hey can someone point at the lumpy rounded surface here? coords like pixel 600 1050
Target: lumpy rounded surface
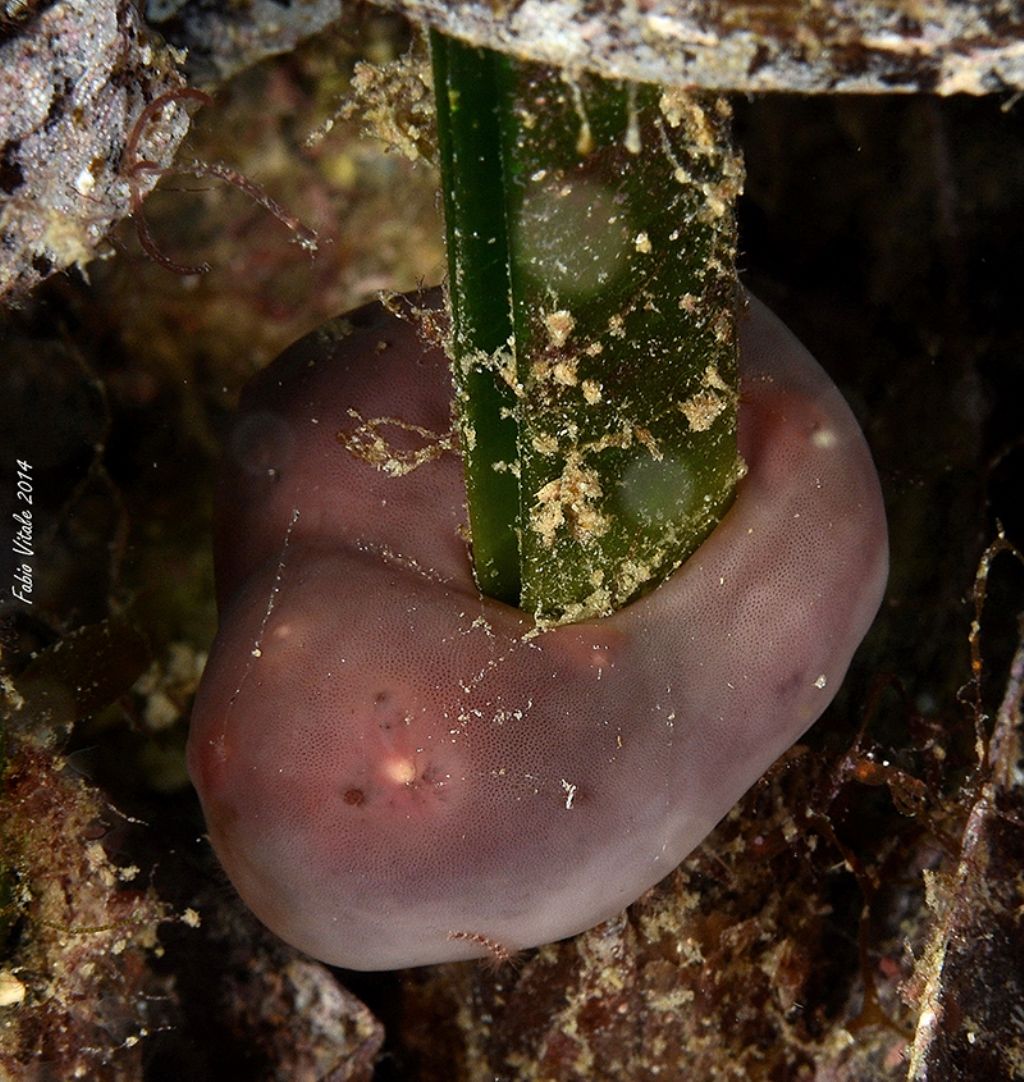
pixel 394 771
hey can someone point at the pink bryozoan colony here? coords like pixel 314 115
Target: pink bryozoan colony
pixel 393 772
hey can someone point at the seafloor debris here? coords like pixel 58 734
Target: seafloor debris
pixel 862 46
pixel 968 985
pixel 73 79
pixel 77 994
pixel 223 38
pixel 271 1013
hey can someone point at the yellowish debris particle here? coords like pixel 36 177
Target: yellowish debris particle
pixel 565 372
pixel 702 409
pixel 714 207
pixel 559 326
pixel 161 711
pixel 12 991
pixel 617 326
pixel 335 331
pixel 642 243
pixel 594 349
pixel 645 439
pixel 562 371
pixel 85 182
pixel 366 442
pixel 591 391
pixel 599 603
pixel 544 443
pixel 724 327
pixel 632 141
pixel 504 363
pixel 713 379
pixel 11 693
pixel 96 856
pixel 395 103
pixel 64 240
pixel 585 140
pixel 682 108
pixel 569 500
pixel 634 573
pixel 689 303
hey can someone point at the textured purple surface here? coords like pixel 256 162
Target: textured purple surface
pixel 385 761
